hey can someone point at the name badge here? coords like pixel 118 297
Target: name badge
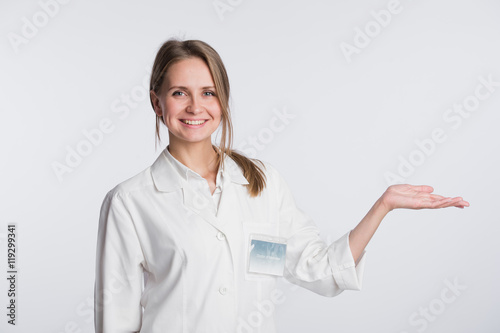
pixel 266 254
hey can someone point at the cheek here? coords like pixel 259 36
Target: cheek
pixel 216 110
pixel 220 121
pixel 218 117
pixel 171 108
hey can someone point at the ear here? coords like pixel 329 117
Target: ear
pixel 156 103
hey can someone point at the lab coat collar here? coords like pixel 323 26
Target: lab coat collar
pixel 165 172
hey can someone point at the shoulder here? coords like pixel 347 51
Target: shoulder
pixel 276 185
pixel 137 184
pixel 273 176
pixel 268 167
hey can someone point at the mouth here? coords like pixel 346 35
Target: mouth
pixel 193 122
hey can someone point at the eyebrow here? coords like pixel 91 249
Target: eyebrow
pixel 185 88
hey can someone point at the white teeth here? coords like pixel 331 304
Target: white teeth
pixel 194 122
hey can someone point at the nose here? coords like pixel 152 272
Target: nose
pixel 195 105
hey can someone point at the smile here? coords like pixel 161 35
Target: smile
pixel 193 122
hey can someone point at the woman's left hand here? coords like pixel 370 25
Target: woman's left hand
pixel 417 197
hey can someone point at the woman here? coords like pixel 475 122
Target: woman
pixel 195 242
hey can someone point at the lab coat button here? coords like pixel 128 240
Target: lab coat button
pixel 220 236
pixel 223 290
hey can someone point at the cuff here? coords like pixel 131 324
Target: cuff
pixel 347 274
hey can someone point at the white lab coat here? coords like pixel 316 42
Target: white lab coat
pixel 169 261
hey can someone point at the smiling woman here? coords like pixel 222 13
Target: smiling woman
pixel 198 239
pixel 187 103
pixel 189 85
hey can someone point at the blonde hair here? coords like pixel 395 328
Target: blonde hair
pixel 174 50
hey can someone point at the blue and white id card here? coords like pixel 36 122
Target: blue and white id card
pixel 266 255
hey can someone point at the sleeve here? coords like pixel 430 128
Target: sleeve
pixel 118 281
pixel 311 263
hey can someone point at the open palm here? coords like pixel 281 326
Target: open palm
pixel 418 197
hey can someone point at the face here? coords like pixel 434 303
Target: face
pixel 188 102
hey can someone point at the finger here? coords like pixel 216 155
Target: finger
pixel 445 202
pixel 423 188
pixel 436 196
pixel 430 204
pixel 433 200
pixel 451 202
pixel 463 203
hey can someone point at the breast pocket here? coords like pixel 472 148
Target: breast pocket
pixel 251 229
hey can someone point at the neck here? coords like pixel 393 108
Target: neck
pixel 199 157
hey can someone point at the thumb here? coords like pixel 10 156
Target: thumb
pixel 424 188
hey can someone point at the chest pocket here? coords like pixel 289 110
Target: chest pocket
pixel 268 228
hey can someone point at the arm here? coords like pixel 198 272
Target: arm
pixel 118 280
pixel 396 196
pixel 325 269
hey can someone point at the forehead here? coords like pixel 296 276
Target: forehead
pixel 191 70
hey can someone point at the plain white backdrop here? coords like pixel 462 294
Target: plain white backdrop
pixel 364 86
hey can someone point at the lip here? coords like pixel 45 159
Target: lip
pixel 193 126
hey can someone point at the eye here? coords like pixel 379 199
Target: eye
pixel 209 93
pixel 177 93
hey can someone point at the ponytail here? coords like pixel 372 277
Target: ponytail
pixel 253 170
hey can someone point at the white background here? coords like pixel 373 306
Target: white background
pixel 355 119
